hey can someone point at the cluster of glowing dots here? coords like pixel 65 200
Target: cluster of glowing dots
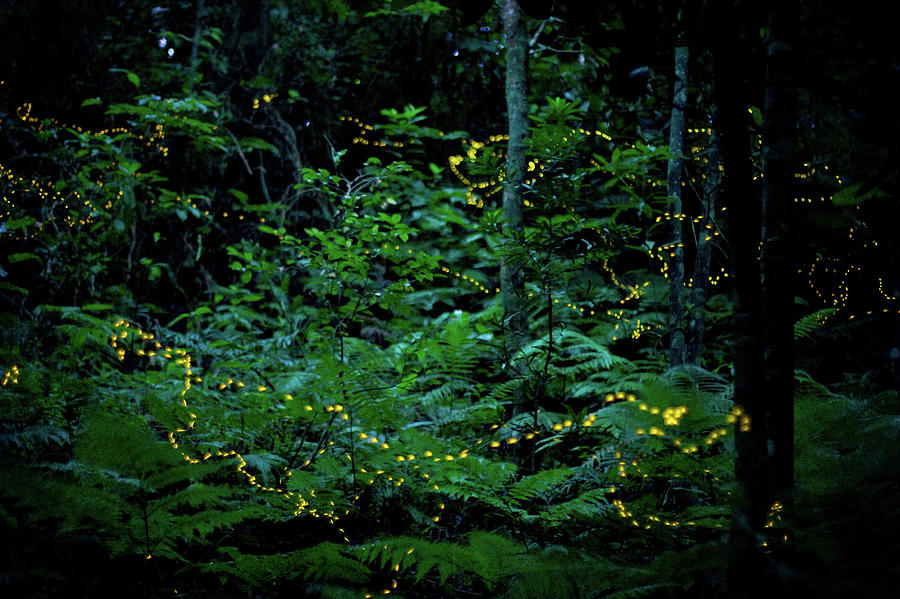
pixel 634 291
pixel 491 186
pixel 125 330
pixel 626 328
pixel 566 424
pixel 633 328
pixel 671 417
pixel 386 590
pixel 471 280
pixel 809 172
pixel 47 193
pixel 364 129
pixel 841 294
pixel 663 253
pixel 187 202
pixel 11 375
pixel 652 520
pixel 772 518
pixel 156 138
pixel 667 251
pixel 395 567
pixel 44 191
pixel 182 358
pixel 884 293
pixel 739 417
pixel 267 98
pixel 709 228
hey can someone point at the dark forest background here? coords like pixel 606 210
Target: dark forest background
pixel 449 299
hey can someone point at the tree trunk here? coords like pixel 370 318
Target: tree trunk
pixel 703 234
pixel 748 574
pixel 253 36
pixel 195 45
pixel 674 179
pixel 512 282
pixel 779 125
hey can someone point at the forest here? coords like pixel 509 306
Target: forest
pixel 451 299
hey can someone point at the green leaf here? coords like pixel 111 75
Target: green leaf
pixel 20 223
pixel 255 143
pixel 96 307
pixel 756 115
pixel 850 196
pixel 13 258
pixel 91 102
pixel 11 287
pixel 239 195
pixel 260 82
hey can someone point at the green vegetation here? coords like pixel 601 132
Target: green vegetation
pixel 252 330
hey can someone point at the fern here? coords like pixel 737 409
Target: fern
pixel 587 506
pixel 806 325
pixel 34 438
pixel 505 391
pixel 540 482
pixel 324 562
pixel 488 556
pixel 586 354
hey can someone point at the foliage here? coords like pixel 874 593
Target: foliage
pixel 251 338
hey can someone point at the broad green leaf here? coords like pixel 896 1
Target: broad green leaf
pixel 13 258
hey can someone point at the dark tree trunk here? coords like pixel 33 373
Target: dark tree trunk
pixel 704 233
pixel 748 574
pixel 779 127
pixel 511 276
pixel 676 148
pixel 253 36
pixel 195 44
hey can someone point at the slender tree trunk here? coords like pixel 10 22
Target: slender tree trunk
pixel 512 282
pixel 674 179
pixel 779 125
pixel 195 45
pixel 704 234
pixel 748 572
pixel 253 32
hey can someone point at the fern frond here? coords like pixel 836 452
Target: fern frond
pixel 505 391
pixel 490 557
pixel 587 354
pixel 540 482
pixel 326 562
pixel 806 325
pixel 587 505
pixel 643 590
